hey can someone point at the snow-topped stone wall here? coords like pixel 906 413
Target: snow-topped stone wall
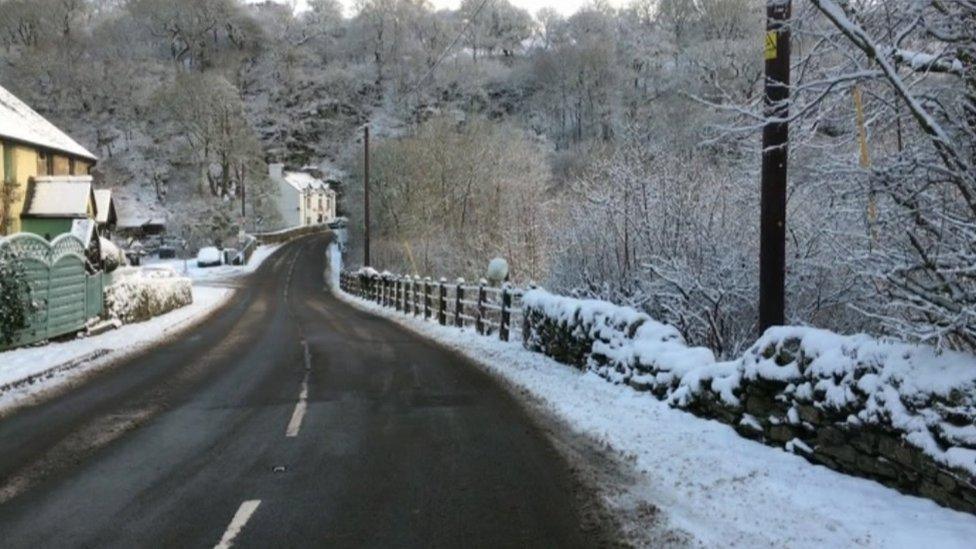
pixel 904 415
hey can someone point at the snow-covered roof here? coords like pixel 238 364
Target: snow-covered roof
pixel 84 229
pixel 132 221
pixel 302 181
pixel 103 203
pixel 18 122
pixel 135 213
pixel 59 196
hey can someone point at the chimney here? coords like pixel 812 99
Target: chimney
pixel 276 171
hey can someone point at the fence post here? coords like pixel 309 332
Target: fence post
pixel 426 298
pixel 525 317
pixel 442 305
pixel 417 307
pixel 503 331
pixel 412 289
pixel 482 295
pixel 403 290
pixel 396 293
pixel 459 303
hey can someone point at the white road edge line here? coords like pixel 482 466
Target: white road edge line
pixel 237 523
pixel 295 424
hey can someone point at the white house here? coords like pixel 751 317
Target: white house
pixel 303 199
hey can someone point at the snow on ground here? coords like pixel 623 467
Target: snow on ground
pixel 721 488
pixel 69 359
pixel 190 269
pixel 27 371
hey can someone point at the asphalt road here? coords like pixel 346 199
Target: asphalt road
pixel 299 418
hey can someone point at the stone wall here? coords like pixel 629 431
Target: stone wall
pixel 850 403
pixel 279 237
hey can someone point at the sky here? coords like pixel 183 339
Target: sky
pixel 567 7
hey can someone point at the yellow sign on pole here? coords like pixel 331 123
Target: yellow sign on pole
pixel 771 40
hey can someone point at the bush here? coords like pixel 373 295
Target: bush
pixel 146 295
pixel 16 305
pixel 112 256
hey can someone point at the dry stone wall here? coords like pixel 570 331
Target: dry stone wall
pixel 900 414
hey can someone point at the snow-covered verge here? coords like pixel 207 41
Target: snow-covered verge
pixel 141 294
pixel 902 414
pixel 189 267
pixel 703 478
pixel 27 371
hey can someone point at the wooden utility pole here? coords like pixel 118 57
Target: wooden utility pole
pixel 772 247
pixel 366 262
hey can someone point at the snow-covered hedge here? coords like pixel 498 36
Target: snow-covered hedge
pixel 146 293
pixel 902 414
pixel 16 305
pixel 112 256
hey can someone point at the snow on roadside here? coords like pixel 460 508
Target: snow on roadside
pixel 21 364
pixel 707 480
pixel 190 269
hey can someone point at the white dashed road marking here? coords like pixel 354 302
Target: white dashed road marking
pixel 299 414
pixel 237 523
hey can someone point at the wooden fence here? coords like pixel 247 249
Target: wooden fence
pixel 490 311
pixel 65 294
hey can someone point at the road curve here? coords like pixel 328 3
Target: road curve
pixel 288 419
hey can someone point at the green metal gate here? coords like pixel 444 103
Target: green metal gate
pixel 65 294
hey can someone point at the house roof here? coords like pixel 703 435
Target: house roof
pixel 302 181
pixel 59 196
pixel 84 230
pixel 133 214
pixel 18 122
pixel 105 206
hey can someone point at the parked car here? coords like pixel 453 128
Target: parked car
pixel 174 242
pixel 230 256
pixel 135 253
pixel 339 223
pixel 209 257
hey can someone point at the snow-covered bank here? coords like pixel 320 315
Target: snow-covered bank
pixel 190 269
pixel 27 371
pixel 723 489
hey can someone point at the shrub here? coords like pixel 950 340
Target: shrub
pixel 16 305
pixel 139 298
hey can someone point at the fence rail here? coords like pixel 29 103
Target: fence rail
pixel 490 311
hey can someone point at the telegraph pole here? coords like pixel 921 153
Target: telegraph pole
pixel 772 247
pixel 366 196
